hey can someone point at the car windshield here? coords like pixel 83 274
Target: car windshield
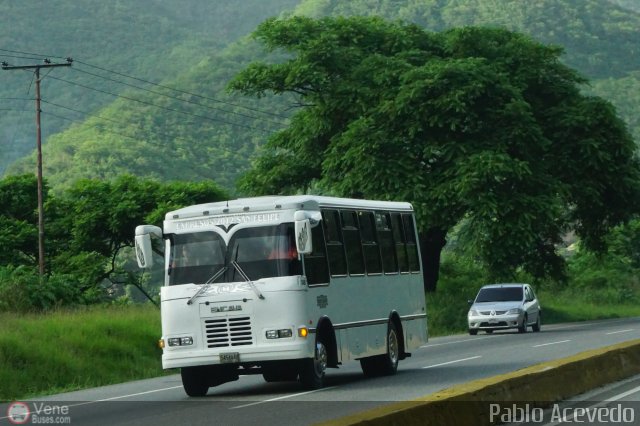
pixel 261 252
pixel 499 294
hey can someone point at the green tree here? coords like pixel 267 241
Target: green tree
pixel 474 124
pixel 18 220
pixel 89 230
pixel 95 220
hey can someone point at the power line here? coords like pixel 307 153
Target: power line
pixel 82 112
pixel 182 91
pixel 17 99
pixel 21 57
pixel 162 107
pixel 152 83
pixel 31 53
pixel 16 110
pixel 175 97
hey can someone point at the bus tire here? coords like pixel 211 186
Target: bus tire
pixel 369 366
pixel 389 361
pixel 312 370
pixel 194 381
pixel 385 364
pixel 279 373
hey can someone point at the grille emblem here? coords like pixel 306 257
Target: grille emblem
pixel 229 308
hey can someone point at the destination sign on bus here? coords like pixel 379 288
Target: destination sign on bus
pixel 228 220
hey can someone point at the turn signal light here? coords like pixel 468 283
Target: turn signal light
pixel 303 332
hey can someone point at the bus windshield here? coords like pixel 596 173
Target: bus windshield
pixel 261 252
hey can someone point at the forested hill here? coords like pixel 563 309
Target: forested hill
pixel 150 39
pixel 629 4
pixel 191 135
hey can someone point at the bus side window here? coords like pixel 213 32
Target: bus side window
pixel 315 263
pixel 385 237
pixel 399 238
pixel 412 247
pixel 333 238
pixel 370 246
pixel 352 243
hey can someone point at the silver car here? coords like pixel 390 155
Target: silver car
pixel 504 306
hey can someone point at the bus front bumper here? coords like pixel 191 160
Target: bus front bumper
pixel 183 357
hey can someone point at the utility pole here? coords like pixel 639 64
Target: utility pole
pixel 47 64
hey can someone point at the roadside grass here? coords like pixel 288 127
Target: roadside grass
pixel 43 354
pixel 68 350
pixel 601 293
pixel 447 310
pixel 567 307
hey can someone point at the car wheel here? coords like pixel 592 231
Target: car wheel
pixel 473 332
pixel 313 370
pixel 523 328
pixel 537 326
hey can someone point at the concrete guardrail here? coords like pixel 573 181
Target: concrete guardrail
pixel 539 385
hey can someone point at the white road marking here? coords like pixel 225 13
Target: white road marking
pixel 431 345
pixel 620 331
pixel 453 362
pixel 552 343
pixel 623 394
pixel 112 398
pixel 599 404
pixel 282 397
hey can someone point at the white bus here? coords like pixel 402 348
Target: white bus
pixel 286 287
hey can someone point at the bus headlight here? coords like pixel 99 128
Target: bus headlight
pixel 180 341
pixel 279 334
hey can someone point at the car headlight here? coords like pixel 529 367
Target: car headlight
pixel 514 311
pixel 473 313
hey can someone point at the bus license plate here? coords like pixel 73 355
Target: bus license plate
pixel 230 357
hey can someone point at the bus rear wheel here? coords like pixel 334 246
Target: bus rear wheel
pixel 312 370
pixel 386 364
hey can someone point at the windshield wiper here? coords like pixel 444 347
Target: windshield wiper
pixel 246 278
pixel 207 284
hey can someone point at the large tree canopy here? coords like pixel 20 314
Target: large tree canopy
pixel 479 125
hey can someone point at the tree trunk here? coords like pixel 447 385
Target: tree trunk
pixel 431 243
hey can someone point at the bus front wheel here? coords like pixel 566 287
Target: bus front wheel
pixel 312 370
pixel 194 381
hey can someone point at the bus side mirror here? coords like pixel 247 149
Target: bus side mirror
pixel 144 252
pixel 303 236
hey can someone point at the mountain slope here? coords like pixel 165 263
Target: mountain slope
pixel 601 41
pixel 151 39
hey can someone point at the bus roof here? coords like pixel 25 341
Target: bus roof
pixel 269 203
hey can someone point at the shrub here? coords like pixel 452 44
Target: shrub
pixel 22 290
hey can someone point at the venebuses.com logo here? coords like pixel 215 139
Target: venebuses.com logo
pixel 18 413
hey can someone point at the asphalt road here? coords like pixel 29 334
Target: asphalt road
pixel 441 363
